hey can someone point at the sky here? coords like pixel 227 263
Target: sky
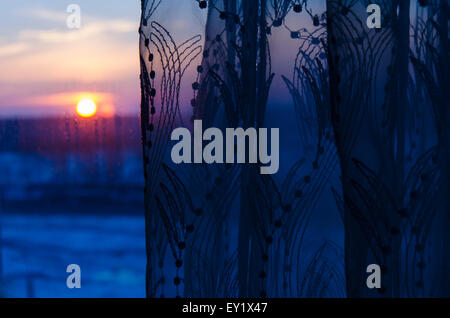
pixel 45 67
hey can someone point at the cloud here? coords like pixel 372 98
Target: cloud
pixel 94 29
pixel 97 51
pixel 92 26
pixel 13 49
pixel 83 61
pixel 48 15
pixel 69 98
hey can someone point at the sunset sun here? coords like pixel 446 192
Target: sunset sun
pixel 86 108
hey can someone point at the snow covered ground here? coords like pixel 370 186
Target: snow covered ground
pixel 37 248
